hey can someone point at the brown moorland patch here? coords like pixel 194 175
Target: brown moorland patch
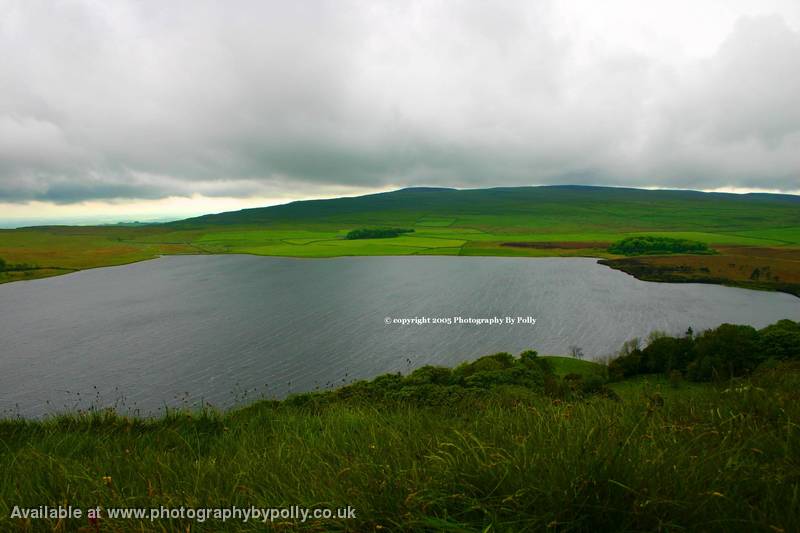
pixel 559 245
pixel 749 267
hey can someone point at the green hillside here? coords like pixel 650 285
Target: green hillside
pixel 553 209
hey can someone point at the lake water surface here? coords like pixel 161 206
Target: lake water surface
pixel 224 329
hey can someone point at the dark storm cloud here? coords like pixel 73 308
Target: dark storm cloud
pixel 148 100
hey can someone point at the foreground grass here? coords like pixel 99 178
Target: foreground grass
pixel 698 458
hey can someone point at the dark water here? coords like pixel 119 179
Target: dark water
pixel 223 329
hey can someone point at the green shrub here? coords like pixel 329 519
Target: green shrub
pixel 487 363
pixel 625 366
pixel 780 340
pixel 648 244
pixel 665 354
pixel 593 384
pixel 434 385
pixel 376 233
pixel 728 351
pixel 435 375
pixel 725 352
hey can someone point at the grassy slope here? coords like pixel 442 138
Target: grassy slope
pixel 446 222
pixel 568 365
pixel 704 458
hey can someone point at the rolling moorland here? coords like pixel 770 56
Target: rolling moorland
pixel 691 433
pixel 755 237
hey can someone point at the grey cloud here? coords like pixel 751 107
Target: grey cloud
pixel 146 100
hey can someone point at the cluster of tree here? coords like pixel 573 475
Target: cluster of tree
pixel 721 353
pixel 576 352
pixel 648 244
pixel 501 375
pixel 376 233
pixel 5 266
pixel 435 385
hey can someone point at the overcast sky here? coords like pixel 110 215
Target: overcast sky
pixel 116 109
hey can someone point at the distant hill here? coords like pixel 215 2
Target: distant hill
pixel 618 206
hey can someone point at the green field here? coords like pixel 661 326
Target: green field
pixel 571 221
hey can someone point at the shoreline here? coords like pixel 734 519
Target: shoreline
pixel 643 268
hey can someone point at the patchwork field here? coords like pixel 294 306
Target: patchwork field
pixel 757 237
